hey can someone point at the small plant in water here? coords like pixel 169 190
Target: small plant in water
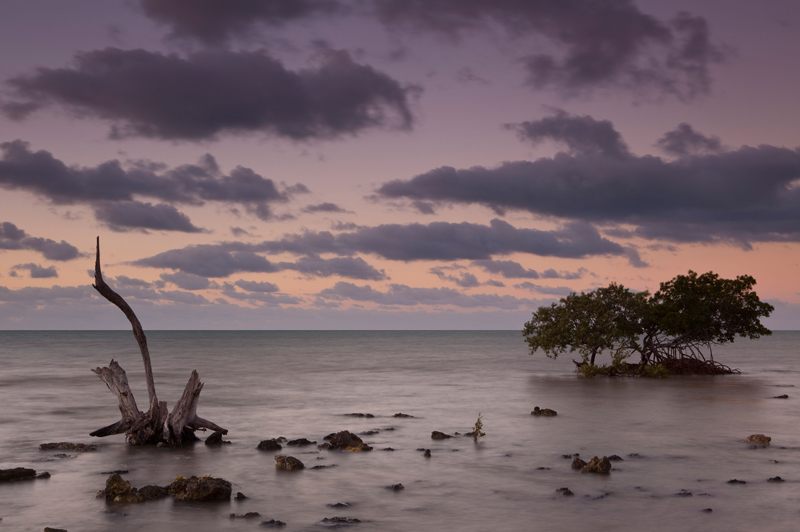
pixel 477 430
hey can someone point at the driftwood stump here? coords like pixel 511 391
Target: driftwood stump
pixel 157 425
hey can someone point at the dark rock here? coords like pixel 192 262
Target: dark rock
pixel 616 458
pixel 339 505
pixel 200 489
pixel 396 487
pixel 152 493
pixel 369 432
pixel 273 523
pixel 240 496
pixel 542 468
pixel 288 463
pixel 68 446
pixel 51 529
pixel 339 522
pixel 684 493
pixel 115 472
pixel 600 466
pixel 300 442
pixel 359 414
pixel 427 453
pixel 17 473
pixel 569 456
pixel 707 510
pixel 390 449
pixel 248 515
pixel 119 490
pixel 402 415
pixel 269 445
pixel 436 435
pixel 328 466
pixel 775 479
pixel 346 441
pixel 736 481
pixel 215 439
pixel 43 475
pixel 543 412
pixel 782 396
pixel 758 440
pixel 566 492
pixel 577 463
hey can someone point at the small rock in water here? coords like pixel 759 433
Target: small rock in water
pixel 775 479
pixel 600 466
pixel 782 396
pixel 359 414
pixel 43 475
pixel 758 440
pixel 402 415
pixel 736 481
pixel 300 442
pixel 543 412
pixel 684 493
pixel 288 463
pixel 396 487
pixel 339 505
pixel 248 515
pixel 120 491
pixel 707 510
pixel 51 529
pixel 345 441
pixel 68 446
pixel 577 463
pixel 216 439
pixel 370 432
pixel 542 468
pixel 240 496
pixel 115 472
pixel 328 466
pixel 390 449
pixel 273 523
pixel 427 453
pixel 200 489
pixel 269 445
pixel 17 473
pixel 437 435
pixel 566 492
pixel 616 458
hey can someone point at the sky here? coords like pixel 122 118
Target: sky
pixel 390 164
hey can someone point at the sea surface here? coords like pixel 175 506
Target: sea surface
pixel 680 433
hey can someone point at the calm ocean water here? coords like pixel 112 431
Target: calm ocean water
pixel 687 432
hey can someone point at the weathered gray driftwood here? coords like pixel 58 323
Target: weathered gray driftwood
pixel 157 425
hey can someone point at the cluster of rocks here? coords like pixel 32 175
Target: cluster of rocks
pixel 543 412
pixel 192 489
pixel 344 441
pixel 597 465
pixel 758 440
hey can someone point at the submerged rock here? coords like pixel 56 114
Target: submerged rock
pixel 248 515
pixel 17 473
pixel 427 453
pixel 402 415
pixel 269 445
pixel 360 414
pixel 200 489
pixel 543 412
pixel 68 446
pixel 684 493
pixel 616 458
pixel 775 479
pixel 566 492
pixel 437 435
pixel 758 440
pixel 240 496
pixel 600 466
pixel 300 442
pixel 345 441
pixel 339 505
pixel 288 463
pixel 736 481
pixel 51 529
pixel 782 396
pixel 273 523
pixel 328 466
pixel 338 522
pixel 396 487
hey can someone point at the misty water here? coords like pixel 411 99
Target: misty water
pixel 687 432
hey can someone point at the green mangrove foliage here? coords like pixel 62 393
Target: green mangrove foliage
pixel 671 331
